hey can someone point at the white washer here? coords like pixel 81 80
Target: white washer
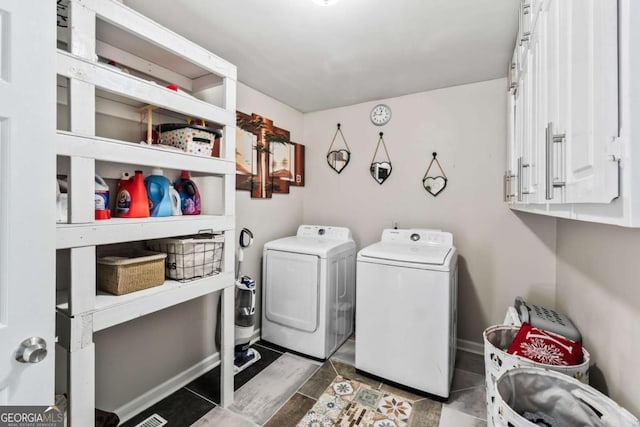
pixel 308 290
pixel 406 294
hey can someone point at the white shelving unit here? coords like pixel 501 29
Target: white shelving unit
pixel 142 45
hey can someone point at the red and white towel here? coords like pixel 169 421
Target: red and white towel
pixel 545 347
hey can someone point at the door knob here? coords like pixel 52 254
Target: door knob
pixel 32 350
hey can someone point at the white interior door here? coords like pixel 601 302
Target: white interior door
pixel 27 201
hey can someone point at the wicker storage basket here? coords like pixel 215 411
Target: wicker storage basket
pixel 130 271
pixel 191 257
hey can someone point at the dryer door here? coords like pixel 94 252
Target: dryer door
pixel 291 286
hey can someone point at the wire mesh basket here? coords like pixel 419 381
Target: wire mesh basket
pixel 191 257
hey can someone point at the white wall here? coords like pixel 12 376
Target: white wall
pixel 503 254
pixel 598 287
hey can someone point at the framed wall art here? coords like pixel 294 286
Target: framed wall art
pixel 267 161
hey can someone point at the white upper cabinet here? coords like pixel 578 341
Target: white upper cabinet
pixel 590 100
pixel 527 98
pixel 567 150
pixel 533 142
pixel 555 36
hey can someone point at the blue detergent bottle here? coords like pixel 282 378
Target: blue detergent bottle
pixel 158 192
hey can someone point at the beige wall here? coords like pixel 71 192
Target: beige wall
pixel 503 254
pixel 599 288
pixel 279 216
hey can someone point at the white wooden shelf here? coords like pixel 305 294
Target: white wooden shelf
pixel 117 230
pixel 111 310
pixel 113 80
pixel 114 31
pixel 146 29
pixel 111 150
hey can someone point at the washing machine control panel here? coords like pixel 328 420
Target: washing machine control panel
pixel 324 232
pixel 417 236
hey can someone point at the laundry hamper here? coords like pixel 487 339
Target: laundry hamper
pixel 527 397
pixel 191 257
pixel 497 340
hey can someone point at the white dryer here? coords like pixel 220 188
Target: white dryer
pixel 406 294
pixel 309 290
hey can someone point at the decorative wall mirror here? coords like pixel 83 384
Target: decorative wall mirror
pixel 434 184
pixel 338 158
pixel 380 168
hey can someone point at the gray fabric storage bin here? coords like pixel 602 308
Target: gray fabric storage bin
pixel 554 399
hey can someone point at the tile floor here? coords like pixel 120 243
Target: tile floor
pixel 279 389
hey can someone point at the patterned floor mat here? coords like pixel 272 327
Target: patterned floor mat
pixel 349 403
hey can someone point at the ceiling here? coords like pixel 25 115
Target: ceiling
pixel 313 58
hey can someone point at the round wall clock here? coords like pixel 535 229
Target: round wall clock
pixel 380 114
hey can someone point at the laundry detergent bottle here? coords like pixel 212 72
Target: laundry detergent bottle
pixel 132 200
pixel 101 199
pixel 157 186
pixel 189 195
pixel 176 202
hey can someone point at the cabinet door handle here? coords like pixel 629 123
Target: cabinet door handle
pixel 519 179
pixel 505 187
pixel 524 165
pixel 508 179
pixel 550 139
pixel 547 163
pixel 559 139
pixel 510 81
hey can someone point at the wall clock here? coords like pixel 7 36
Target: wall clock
pixel 380 114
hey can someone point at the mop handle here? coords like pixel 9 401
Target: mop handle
pixel 240 257
pixel 243 243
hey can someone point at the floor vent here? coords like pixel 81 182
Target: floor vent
pixel 154 420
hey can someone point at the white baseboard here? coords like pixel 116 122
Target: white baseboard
pixel 134 407
pixel 163 390
pixel 470 346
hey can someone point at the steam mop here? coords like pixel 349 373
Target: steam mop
pixel 245 311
